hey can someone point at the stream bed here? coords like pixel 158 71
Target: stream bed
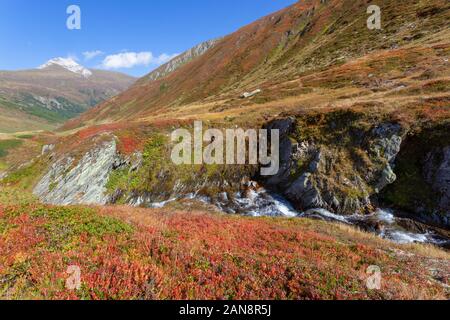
pixel 383 222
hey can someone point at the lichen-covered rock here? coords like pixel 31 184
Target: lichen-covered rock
pixel 323 175
pixel 69 182
pixel 387 177
pixel 387 142
pixel 47 148
pixel 304 191
pixel 386 145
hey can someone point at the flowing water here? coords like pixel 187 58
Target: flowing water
pixel 259 202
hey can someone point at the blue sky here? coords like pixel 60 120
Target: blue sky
pixel 32 32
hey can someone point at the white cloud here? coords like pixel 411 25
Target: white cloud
pixel 165 58
pixel 88 55
pixel 133 59
pixel 127 60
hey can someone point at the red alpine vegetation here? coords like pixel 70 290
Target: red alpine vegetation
pixel 95 130
pixel 161 254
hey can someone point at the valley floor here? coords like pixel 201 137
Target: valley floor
pixel 187 252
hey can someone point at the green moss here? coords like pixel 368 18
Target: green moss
pixel 411 190
pixel 52 186
pixel 25 136
pixel 300 168
pixel 3 166
pixel 25 178
pixel 66 224
pixel 342 128
pixel 6 145
pixel 117 180
pixel 153 150
pixel 353 193
pixel 158 174
pixel 155 158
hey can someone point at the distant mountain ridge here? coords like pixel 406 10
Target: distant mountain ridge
pixel 180 60
pixel 68 64
pixel 56 91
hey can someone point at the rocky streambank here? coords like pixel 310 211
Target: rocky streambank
pixel 345 163
pixel 342 175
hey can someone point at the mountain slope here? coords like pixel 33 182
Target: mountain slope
pixel 365 122
pixel 310 36
pixel 179 61
pixel 350 101
pixel 58 90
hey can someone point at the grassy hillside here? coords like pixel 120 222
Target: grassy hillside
pixel 312 53
pixel 13 119
pixel 43 99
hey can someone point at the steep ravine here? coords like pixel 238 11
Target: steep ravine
pixel 340 166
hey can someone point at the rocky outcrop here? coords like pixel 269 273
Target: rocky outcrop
pixel 386 145
pixel 83 182
pixel 246 95
pixel 182 59
pixel 344 165
pixel 388 141
pixel 47 148
pixel 304 191
pixel 319 175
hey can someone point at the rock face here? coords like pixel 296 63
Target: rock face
pixel 388 141
pixel 437 174
pixel 315 175
pixel 386 145
pixel 84 182
pixel 47 148
pixel 304 191
pixel 246 95
pixel 436 170
pixel 421 190
pixel 180 60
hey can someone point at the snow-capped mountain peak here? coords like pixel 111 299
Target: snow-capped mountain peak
pixel 68 64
